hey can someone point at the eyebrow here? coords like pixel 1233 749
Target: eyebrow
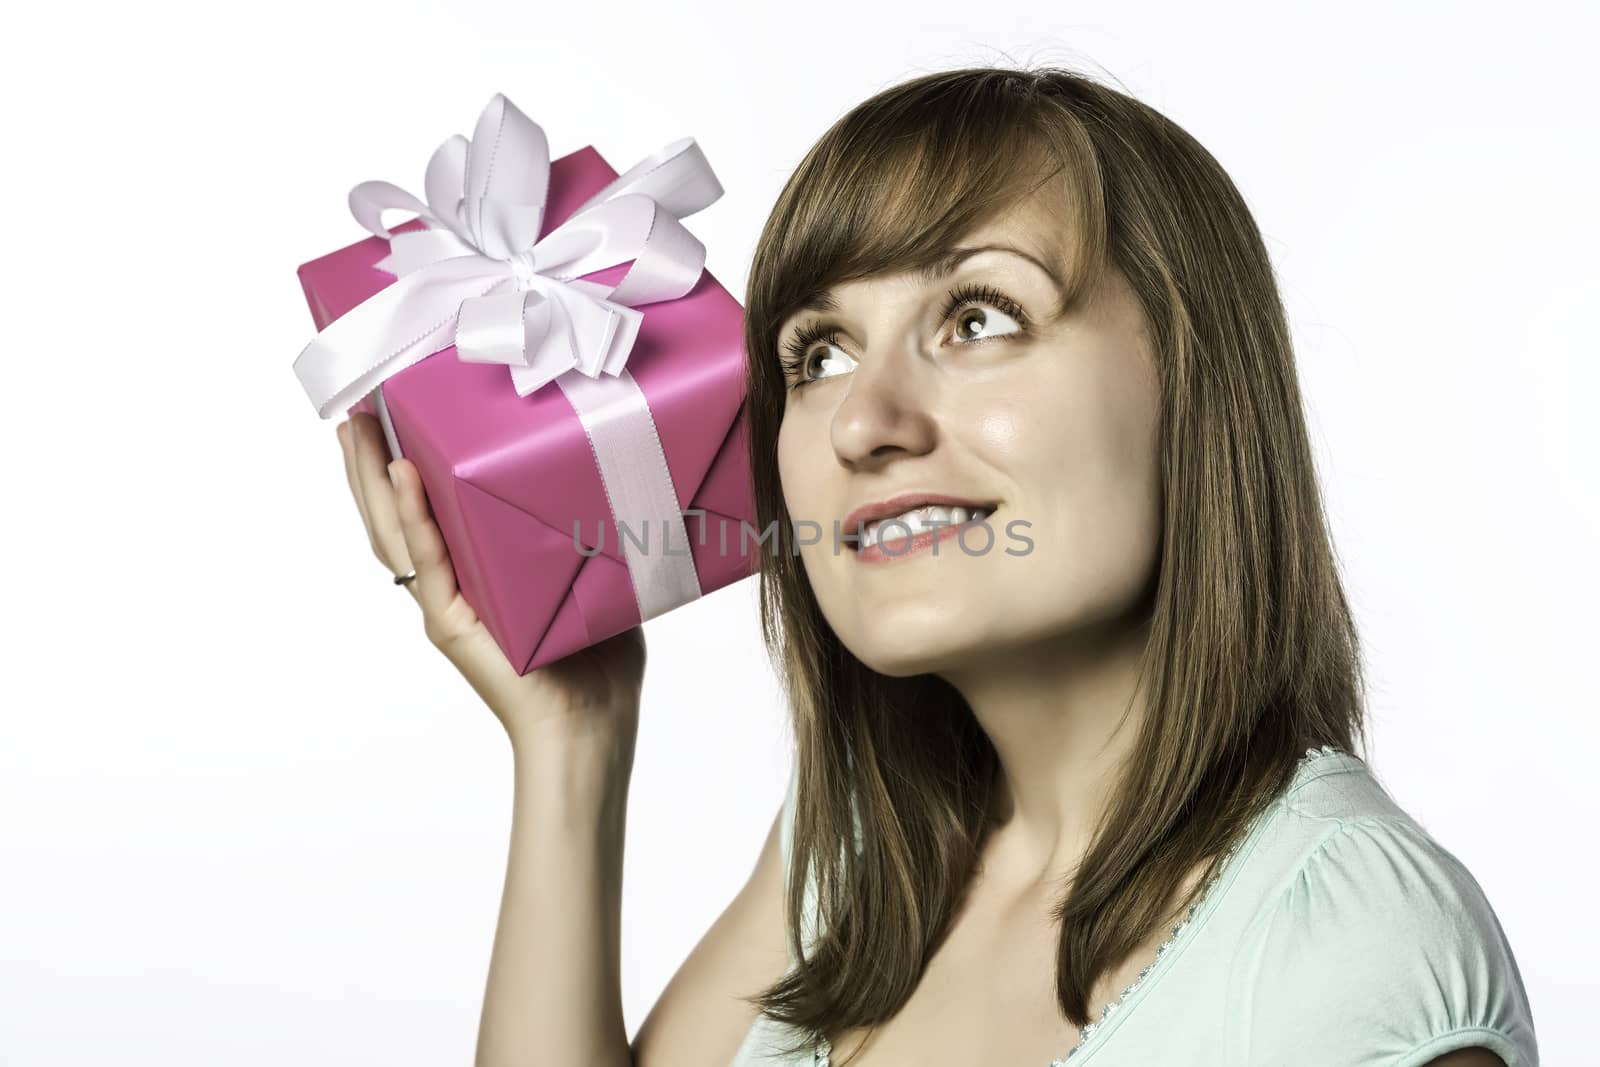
pixel 942 267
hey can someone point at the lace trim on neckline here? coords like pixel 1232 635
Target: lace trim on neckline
pixel 822 1051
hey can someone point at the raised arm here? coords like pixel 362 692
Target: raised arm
pixel 554 988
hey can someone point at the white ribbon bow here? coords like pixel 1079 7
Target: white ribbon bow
pixel 480 274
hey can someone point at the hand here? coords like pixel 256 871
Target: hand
pixel 591 694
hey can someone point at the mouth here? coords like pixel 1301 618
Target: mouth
pixel 919 518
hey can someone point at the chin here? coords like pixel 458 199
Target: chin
pixel 911 650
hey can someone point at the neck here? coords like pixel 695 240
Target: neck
pixel 1063 717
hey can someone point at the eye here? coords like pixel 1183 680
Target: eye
pixel 976 305
pixel 800 351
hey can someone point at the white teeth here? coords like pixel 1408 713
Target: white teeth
pixel 917 520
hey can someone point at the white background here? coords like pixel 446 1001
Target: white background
pixel 249 816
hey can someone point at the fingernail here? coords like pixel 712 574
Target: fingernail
pixel 392 479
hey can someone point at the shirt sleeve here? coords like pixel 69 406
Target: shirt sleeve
pixel 1381 950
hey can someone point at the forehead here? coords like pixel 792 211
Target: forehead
pixel 1034 223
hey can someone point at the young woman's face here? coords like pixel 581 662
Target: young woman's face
pixel 1052 421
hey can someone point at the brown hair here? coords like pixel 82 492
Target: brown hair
pixel 1252 655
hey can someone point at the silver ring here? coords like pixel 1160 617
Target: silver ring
pixel 403 579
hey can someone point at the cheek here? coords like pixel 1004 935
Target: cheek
pixel 1074 436
pixel 790 470
pixel 802 472
pixel 1114 502
pixel 1106 432
pixel 1088 469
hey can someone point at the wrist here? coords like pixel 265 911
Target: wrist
pixel 579 761
pixel 588 727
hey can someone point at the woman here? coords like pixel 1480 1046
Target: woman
pixel 1090 734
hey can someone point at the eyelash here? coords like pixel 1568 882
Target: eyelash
pixel 969 293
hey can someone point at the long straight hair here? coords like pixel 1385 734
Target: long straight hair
pixel 1252 655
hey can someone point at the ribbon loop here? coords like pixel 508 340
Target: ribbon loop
pixel 442 182
pixel 369 200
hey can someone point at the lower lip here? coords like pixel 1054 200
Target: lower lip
pixel 917 543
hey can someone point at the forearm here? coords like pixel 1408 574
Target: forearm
pixel 555 991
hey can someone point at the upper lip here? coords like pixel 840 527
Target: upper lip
pixel 895 505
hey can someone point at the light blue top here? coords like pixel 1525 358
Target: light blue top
pixel 1339 934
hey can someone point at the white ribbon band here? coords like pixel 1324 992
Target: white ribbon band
pixel 617 419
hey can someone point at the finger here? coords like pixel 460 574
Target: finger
pixel 360 488
pixel 372 456
pixel 435 584
pixel 347 445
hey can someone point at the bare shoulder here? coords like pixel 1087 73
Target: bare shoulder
pixel 699 1018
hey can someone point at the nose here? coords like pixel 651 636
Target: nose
pixel 885 411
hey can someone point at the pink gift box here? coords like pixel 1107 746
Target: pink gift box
pixel 508 477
